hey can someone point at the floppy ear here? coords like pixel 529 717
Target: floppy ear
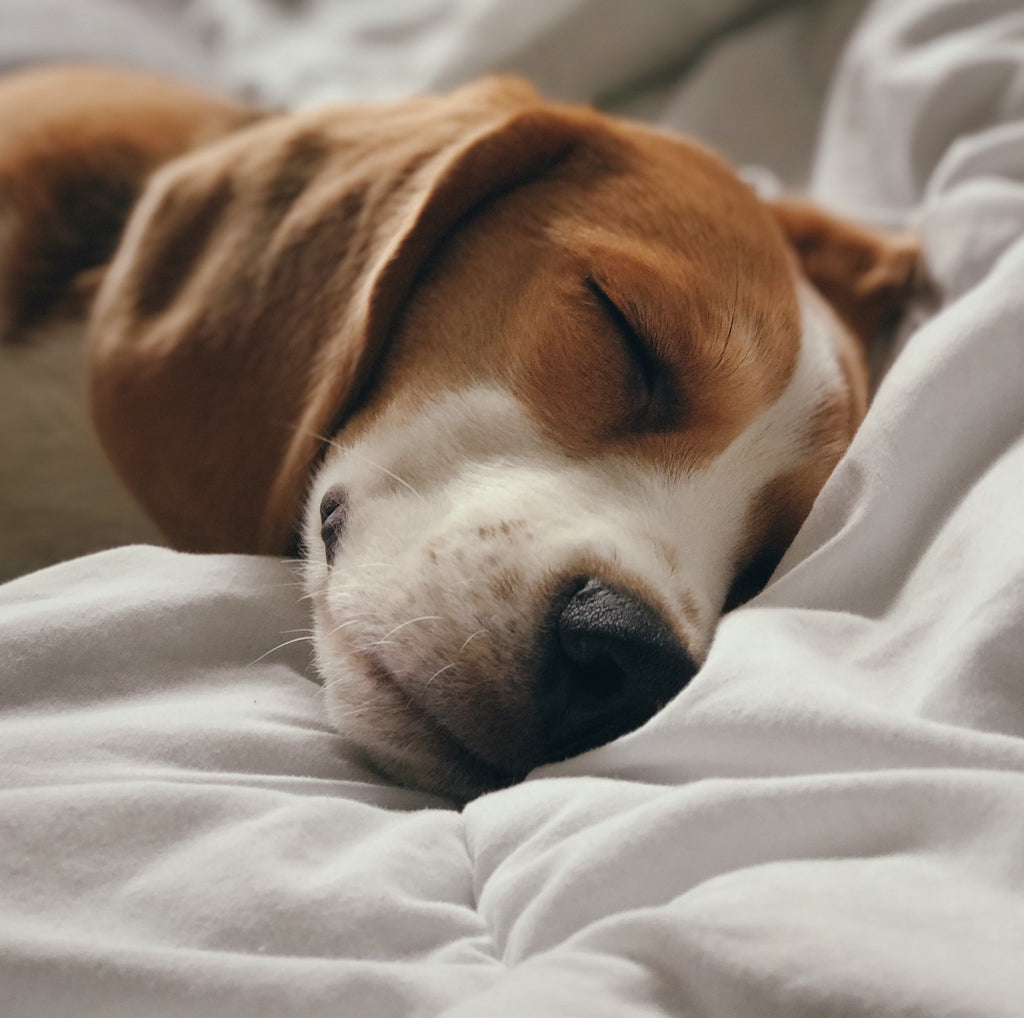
pixel 259 279
pixel 866 275
pixel 76 145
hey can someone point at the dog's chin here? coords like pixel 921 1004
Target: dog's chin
pixel 398 738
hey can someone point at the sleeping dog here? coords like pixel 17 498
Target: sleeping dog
pixel 536 392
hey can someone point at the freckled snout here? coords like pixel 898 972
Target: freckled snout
pixel 611 662
pixel 597 662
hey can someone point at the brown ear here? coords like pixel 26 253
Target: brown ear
pixel 866 275
pixel 76 145
pixel 258 281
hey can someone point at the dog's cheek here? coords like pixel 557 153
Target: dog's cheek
pixel 376 724
pixel 370 716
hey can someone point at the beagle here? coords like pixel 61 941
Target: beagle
pixel 536 392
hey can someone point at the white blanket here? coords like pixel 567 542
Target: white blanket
pixel 828 821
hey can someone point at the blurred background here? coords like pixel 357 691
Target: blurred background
pixel 748 76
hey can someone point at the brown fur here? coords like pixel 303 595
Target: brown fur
pixel 77 146
pixel 715 305
pixel 864 275
pixel 266 268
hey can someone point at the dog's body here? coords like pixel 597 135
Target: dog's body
pixel 539 392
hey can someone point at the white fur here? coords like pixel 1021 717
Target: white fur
pixel 464 516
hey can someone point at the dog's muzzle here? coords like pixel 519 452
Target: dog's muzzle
pixel 602 661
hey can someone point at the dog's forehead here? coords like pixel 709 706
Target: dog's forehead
pixel 529 290
pixel 640 184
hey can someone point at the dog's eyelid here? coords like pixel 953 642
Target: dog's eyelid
pixel 651 369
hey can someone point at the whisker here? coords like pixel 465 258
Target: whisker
pixel 281 646
pixel 370 565
pixel 341 626
pixel 359 709
pixel 402 625
pixel 384 470
pixel 439 672
pixel 472 636
pixel 297 429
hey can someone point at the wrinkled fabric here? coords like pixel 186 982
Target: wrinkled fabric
pixel 828 820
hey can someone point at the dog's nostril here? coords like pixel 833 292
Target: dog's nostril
pixel 595 659
pixel 613 664
pixel 333 517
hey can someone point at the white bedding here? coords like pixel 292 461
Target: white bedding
pixel 828 821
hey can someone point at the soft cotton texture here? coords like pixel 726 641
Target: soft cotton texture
pixel 828 820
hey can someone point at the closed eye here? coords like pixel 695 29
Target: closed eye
pixel 648 383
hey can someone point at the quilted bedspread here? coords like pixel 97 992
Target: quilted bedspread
pixel 829 820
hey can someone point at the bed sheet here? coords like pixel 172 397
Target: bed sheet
pixel 828 820
pixel 748 76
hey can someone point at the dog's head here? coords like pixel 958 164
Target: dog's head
pixel 553 390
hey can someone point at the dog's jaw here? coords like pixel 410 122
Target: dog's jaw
pixel 464 519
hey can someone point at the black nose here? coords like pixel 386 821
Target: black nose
pixel 612 662
pixel 333 517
